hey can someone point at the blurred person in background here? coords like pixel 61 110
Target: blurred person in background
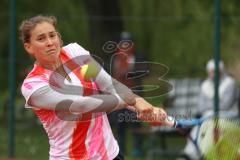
pixel 227 90
pixel 228 94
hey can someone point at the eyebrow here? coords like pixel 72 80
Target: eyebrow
pixel 47 33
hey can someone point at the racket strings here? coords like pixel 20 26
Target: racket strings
pixel 227 145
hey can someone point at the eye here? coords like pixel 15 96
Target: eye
pixel 53 35
pixel 40 38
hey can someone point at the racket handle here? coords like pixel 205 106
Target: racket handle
pixel 184 123
pixel 171 122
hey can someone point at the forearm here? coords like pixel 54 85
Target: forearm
pixel 145 111
pixel 125 93
pixel 107 84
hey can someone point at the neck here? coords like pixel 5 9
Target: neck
pixel 55 66
pixel 51 66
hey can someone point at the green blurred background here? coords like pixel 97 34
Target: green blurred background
pixel 177 33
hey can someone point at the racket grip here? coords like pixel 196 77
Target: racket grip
pixel 179 124
pixel 174 123
pixel 171 121
pixel 183 123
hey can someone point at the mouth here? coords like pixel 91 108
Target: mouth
pixel 51 51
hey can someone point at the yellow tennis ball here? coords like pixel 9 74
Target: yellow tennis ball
pixel 89 71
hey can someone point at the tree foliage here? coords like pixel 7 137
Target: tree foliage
pixel 177 33
pixel 180 33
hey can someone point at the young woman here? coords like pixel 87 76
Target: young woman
pixel 71 94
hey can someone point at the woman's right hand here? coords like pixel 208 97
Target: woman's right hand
pixel 160 118
pixel 136 104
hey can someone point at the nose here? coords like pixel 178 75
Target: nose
pixel 49 41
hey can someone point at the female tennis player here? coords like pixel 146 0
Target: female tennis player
pixel 70 93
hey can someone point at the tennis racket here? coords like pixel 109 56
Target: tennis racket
pixel 214 138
